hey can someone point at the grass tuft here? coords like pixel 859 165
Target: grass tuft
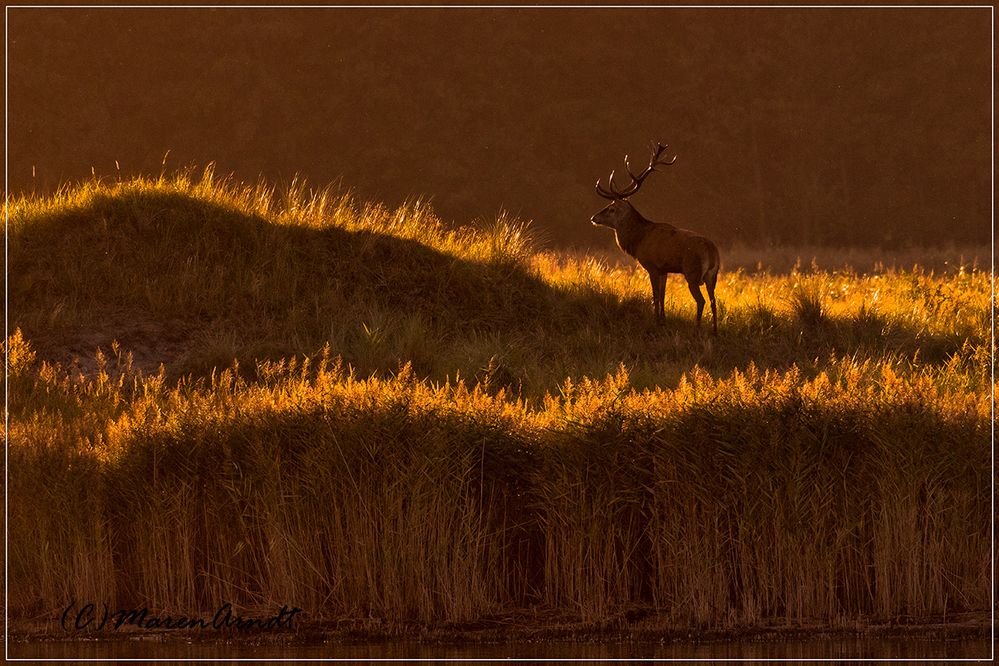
pixel 807 305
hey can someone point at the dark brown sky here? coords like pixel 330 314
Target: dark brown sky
pixel 819 125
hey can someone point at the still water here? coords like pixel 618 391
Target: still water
pixel 839 648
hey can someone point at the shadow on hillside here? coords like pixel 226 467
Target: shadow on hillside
pixel 192 284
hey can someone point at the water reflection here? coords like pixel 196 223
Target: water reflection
pixel 813 649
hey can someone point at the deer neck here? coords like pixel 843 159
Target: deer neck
pixel 631 231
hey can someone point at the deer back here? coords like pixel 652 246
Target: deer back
pixel 666 249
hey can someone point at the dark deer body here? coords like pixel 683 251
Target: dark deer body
pixel 661 248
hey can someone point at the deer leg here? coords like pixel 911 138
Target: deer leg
pixel 695 291
pixel 658 294
pixel 709 283
pixel 661 312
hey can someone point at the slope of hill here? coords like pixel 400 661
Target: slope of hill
pixel 195 272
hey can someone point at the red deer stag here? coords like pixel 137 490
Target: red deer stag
pixel 660 248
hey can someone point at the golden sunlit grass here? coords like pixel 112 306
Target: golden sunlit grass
pixel 366 413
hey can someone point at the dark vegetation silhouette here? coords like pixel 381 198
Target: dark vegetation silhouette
pixel 802 126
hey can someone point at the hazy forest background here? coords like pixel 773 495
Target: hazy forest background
pixel 834 127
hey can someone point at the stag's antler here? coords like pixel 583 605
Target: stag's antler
pixel 636 181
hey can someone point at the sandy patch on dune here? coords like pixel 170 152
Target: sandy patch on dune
pixel 141 341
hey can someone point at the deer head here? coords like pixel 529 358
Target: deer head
pixel 619 208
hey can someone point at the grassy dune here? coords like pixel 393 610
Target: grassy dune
pixel 303 399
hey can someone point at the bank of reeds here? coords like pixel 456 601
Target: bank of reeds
pixel 738 500
pixel 432 424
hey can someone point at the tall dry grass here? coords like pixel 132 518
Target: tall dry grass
pixel 738 500
pixel 369 414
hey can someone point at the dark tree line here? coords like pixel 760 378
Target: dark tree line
pixel 821 126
